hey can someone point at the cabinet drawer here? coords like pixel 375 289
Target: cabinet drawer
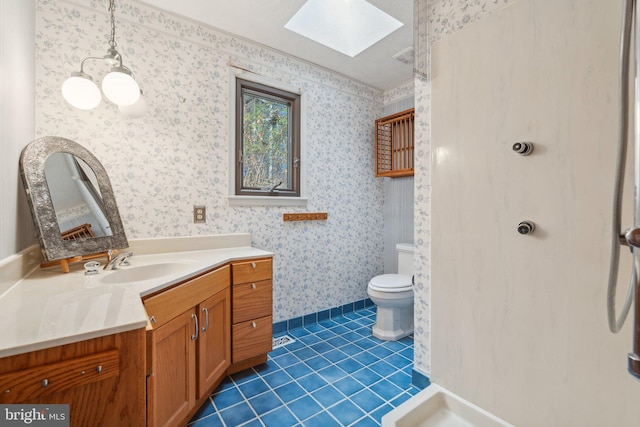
pixel 31 383
pixel 252 300
pixel 170 303
pixel 251 271
pixel 251 338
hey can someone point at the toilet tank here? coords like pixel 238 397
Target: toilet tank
pixel 405 258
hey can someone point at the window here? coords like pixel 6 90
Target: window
pixel 267 140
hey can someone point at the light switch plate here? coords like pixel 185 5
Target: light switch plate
pixel 199 214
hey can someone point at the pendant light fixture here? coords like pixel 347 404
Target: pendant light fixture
pixel 118 86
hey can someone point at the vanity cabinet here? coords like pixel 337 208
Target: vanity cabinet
pixel 252 307
pixel 101 379
pixel 188 345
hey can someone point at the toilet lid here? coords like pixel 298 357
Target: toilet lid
pixel 391 283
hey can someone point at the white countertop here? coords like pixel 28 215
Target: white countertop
pixel 48 308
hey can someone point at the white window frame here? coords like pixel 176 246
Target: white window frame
pixel 236 200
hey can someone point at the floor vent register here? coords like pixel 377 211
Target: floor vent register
pixel 282 341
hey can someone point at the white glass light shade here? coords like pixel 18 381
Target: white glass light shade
pixel 120 88
pixel 81 92
pixel 136 110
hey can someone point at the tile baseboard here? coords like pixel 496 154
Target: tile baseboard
pixel 419 380
pixel 309 319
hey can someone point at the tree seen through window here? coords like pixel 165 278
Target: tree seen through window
pixel 267 140
pixel 265 143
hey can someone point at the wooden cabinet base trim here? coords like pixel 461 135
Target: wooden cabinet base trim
pixel 201 400
pixel 246 364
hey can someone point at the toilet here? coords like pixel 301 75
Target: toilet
pixel 393 296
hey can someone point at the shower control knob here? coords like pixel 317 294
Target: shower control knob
pixel 632 237
pixel 526 227
pixel 523 148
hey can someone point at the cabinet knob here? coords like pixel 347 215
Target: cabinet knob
pixel 153 320
pixel 99 369
pixel 253 286
pixel 253 324
pixel 253 265
pixel 7 391
pixel 45 382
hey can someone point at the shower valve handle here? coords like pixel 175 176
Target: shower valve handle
pixel 523 148
pixel 631 237
pixel 526 227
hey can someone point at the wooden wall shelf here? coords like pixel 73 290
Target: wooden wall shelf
pixel 394 145
pixel 306 216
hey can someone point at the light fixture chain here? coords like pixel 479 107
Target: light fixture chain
pixel 112 7
pixel 119 86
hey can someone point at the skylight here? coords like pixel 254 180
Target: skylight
pixel 348 26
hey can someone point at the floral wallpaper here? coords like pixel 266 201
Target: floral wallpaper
pixel 401 93
pixel 443 17
pixel 177 156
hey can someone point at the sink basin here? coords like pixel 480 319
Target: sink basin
pixel 144 272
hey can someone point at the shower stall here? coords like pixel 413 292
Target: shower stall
pixel 519 320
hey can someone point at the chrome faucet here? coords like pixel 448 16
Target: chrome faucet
pixel 118 260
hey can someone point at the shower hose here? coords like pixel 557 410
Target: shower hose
pixel 615 323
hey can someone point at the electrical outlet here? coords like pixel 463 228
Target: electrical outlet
pixel 199 214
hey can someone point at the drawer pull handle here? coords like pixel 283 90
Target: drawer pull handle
pixel 253 286
pixel 45 382
pixel 99 369
pixel 195 336
pixel 153 320
pixel 253 265
pixel 206 319
pixel 253 324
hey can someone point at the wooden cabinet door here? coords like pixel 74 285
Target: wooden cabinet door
pixel 214 344
pixel 171 387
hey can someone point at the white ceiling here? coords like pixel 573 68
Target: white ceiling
pixel 263 22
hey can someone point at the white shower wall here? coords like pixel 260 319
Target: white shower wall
pixel 443 17
pixel 518 323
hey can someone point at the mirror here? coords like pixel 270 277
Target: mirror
pixel 76 197
pixel 71 199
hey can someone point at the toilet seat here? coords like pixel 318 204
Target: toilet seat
pixel 391 283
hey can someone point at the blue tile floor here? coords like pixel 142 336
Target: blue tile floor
pixel 335 373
